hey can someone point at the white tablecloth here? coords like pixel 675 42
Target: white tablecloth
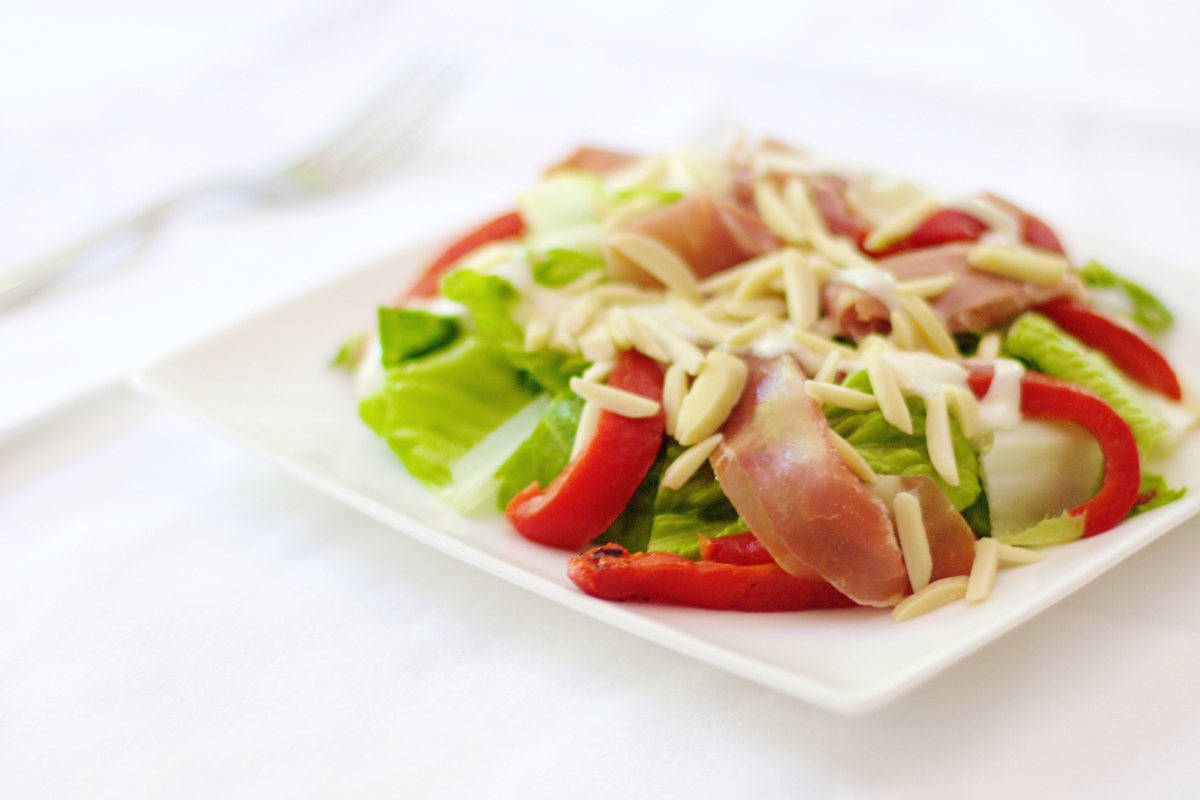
pixel 183 620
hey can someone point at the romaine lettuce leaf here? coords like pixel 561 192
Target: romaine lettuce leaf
pixel 545 454
pixel 891 451
pixel 1143 308
pixel 1163 494
pixel 406 333
pixel 560 267
pixel 1037 340
pixel 433 409
pixel 490 300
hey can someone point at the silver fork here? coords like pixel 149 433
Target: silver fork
pixel 373 144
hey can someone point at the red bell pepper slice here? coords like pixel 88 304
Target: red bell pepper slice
pixel 941 227
pixel 611 573
pixel 743 548
pixel 595 487
pixel 1130 349
pixel 505 226
pixel 1049 398
pixel 1033 230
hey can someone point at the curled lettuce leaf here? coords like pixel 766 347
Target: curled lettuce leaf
pixel 433 409
pixel 1155 486
pixel 406 333
pixel 891 451
pixel 1052 530
pixel 1143 308
pixel 546 453
pixel 1038 341
pixel 560 267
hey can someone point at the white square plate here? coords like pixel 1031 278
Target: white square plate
pixel 266 384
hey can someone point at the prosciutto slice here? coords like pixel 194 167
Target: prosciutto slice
pixel 708 233
pixel 594 160
pixel 951 540
pixel 977 300
pixel 778 467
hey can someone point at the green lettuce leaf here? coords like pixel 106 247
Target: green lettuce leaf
pixel 663 196
pixel 433 409
pixel 1053 530
pixel 1038 341
pixel 545 454
pixel 1143 308
pixel 407 333
pixel 490 300
pixel 891 451
pixel 1163 494
pixel 560 267
pixel 351 352
pixel 670 520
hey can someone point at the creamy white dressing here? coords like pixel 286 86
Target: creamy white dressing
pixel 923 374
pixel 1000 408
pixel 874 281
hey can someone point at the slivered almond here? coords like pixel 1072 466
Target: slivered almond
pixel 598 371
pixel 829 366
pixel 983 569
pixel 757 281
pixel 852 458
pixel 751 331
pixel 802 209
pixel 617 323
pixel 839 250
pixel 675 388
pixel 931 286
pixel 901 224
pixel 749 309
pixel 680 350
pixel 773 212
pixel 689 461
pixel 596 344
pixel 821 346
pixel 725 280
pixel 537 333
pixel 618 401
pixel 903 335
pixel 586 428
pixel 700 323
pixel 914 541
pixel 626 294
pixel 658 260
pixel 1009 555
pixel 937 438
pixel 580 314
pixel 887 391
pixel 1020 263
pixel 933 596
pixel 800 290
pixel 930 326
pixel 966 409
pixel 629 211
pixel 989 347
pixel 840 396
pixel 712 396
pixel 561 337
pixel 875 340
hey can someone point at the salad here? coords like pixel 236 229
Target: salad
pixel 755 381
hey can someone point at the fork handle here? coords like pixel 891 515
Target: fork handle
pixel 18 283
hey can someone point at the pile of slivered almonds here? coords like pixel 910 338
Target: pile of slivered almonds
pixel 770 306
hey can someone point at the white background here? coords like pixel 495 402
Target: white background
pixel 181 620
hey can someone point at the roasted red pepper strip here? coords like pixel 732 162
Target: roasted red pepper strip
pixel 941 227
pixel 1033 230
pixel 1131 350
pixel 1049 398
pixel 611 573
pixel 505 226
pixel 742 548
pixel 594 488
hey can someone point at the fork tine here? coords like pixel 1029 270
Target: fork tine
pixel 391 123
pixel 392 142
